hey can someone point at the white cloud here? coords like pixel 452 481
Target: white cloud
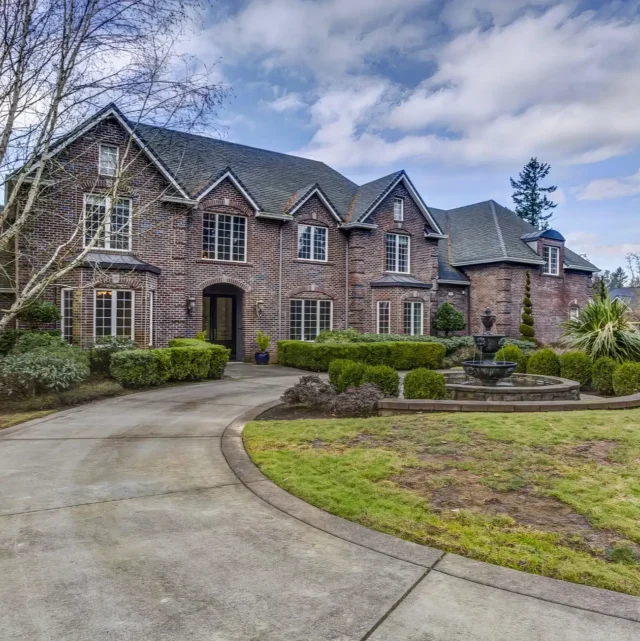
pixel 287 102
pixel 604 255
pixel 606 188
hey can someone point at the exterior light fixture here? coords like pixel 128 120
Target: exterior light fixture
pixel 260 308
pixel 191 305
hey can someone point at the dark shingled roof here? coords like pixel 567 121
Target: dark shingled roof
pixel 127 262
pixel 489 232
pixel 629 295
pixel 369 194
pixel 400 280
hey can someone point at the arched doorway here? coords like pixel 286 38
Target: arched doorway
pixel 222 317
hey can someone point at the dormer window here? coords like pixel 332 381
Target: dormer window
pixel 551 260
pixel 398 210
pixel 108 160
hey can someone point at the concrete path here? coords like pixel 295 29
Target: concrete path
pixel 123 520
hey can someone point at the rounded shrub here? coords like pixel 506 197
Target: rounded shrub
pixel 141 367
pixel 602 375
pixel 29 341
pixel 576 366
pixel 513 354
pixel 385 377
pixel 544 362
pixel 424 383
pixel 104 348
pixel 40 311
pixel 626 379
pixel 352 375
pixel 335 370
pixel 189 363
pixel 40 371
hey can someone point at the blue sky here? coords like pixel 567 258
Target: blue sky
pixel 460 93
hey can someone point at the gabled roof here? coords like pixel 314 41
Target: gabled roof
pixel 487 232
pixel 628 295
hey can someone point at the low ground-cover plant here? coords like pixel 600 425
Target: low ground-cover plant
pixel 544 362
pixel 603 328
pixel 513 354
pixel 104 348
pixel 576 366
pixel 310 391
pixel 424 384
pixel 398 355
pixel 358 401
pixel 602 376
pixel 626 379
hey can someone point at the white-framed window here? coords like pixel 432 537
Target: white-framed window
pixel 224 237
pixel 113 313
pixel 383 317
pixel 309 317
pixel 66 312
pixel 551 263
pixel 397 253
pixel 398 209
pixel 108 160
pixel 413 318
pixel 574 312
pixel 108 219
pixel 152 311
pixel 312 242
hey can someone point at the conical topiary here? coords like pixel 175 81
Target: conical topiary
pixel 527 333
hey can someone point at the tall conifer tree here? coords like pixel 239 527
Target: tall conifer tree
pixel 530 197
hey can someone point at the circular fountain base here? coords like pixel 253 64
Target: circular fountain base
pixel 520 387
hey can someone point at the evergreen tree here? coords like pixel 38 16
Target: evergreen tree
pixel 448 319
pixel 602 292
pixel 529 197
pixel 617 279
pixel 527 333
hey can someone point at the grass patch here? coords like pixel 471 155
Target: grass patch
pixel 10 419
pixel 555 494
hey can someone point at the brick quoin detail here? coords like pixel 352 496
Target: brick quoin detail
pixel 169 237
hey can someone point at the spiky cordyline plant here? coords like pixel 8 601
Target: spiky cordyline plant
pixel 602 329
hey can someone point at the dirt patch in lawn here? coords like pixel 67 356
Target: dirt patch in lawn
pixel 597 451
pixel 291 413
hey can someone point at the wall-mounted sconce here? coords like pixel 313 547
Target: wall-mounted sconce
pixel 191 305
pixel 259 308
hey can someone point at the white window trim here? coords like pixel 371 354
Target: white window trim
pixel 152 304
pixel 317 301
pixel 395 218
pixel 63 310
pixel 387 302
pixel 313 233
pixel 215 244
pixel 107 228
pixel 547 265
pixel 114 310
pixel 395 271
pixel 574 309
pixel 100 172
pixel 412 303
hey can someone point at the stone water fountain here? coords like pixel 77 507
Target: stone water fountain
pixel 487 370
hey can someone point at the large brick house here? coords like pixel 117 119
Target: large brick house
pixel 212 236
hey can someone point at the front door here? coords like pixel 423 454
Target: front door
pixel 222 322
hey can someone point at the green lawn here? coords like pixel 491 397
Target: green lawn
pixel 556 494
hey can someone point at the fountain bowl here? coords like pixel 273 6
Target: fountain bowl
pixel 489 372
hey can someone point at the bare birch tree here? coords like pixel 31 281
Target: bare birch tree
pixel 60 61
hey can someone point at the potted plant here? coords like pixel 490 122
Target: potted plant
pixel 263 342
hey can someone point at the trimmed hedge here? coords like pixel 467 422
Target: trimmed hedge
pixel 218 355
pixel 513 354
pixel 141 367
pixel 384 377
pixel 189 363
pixel 345 373
pixel 104 348
pixel 398 355
pixel 626 379
pixel 576 366
pixel 424 384
pixel 544 362
pixel 602 377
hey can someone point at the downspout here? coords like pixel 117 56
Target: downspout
pixel 280 284
pixel 468 310
pixel 346 298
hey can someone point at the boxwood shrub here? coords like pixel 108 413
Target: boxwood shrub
pixel 141 367
pixel 384 377
pixel 218 355
pixel 104 348
pixel 424 384
pixel 335 370
pixel 189 363
pixel 576 366
pixel 513 354
pixel 398 355
pixel 626 379
pixel 544 362
pixel 602 376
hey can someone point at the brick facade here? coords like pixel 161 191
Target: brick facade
pixel 168 236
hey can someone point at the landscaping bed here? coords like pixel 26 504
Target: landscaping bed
pixel 554 494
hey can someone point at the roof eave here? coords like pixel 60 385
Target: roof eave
pixel 227 174
pixel 446 281
pixel 358 226
pixel 316 191
pixel 501 259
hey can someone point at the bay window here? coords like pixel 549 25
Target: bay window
pixel 383 317
pixel 308 318
pixel 113 313
pixel 312 242
pixel 413 318
pixel 397 253
pixel 224 237
pixel 66 313
pixel 109 220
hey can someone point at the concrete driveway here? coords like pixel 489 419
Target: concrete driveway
pixel 122 520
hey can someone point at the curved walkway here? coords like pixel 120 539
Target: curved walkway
pixel 135 518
